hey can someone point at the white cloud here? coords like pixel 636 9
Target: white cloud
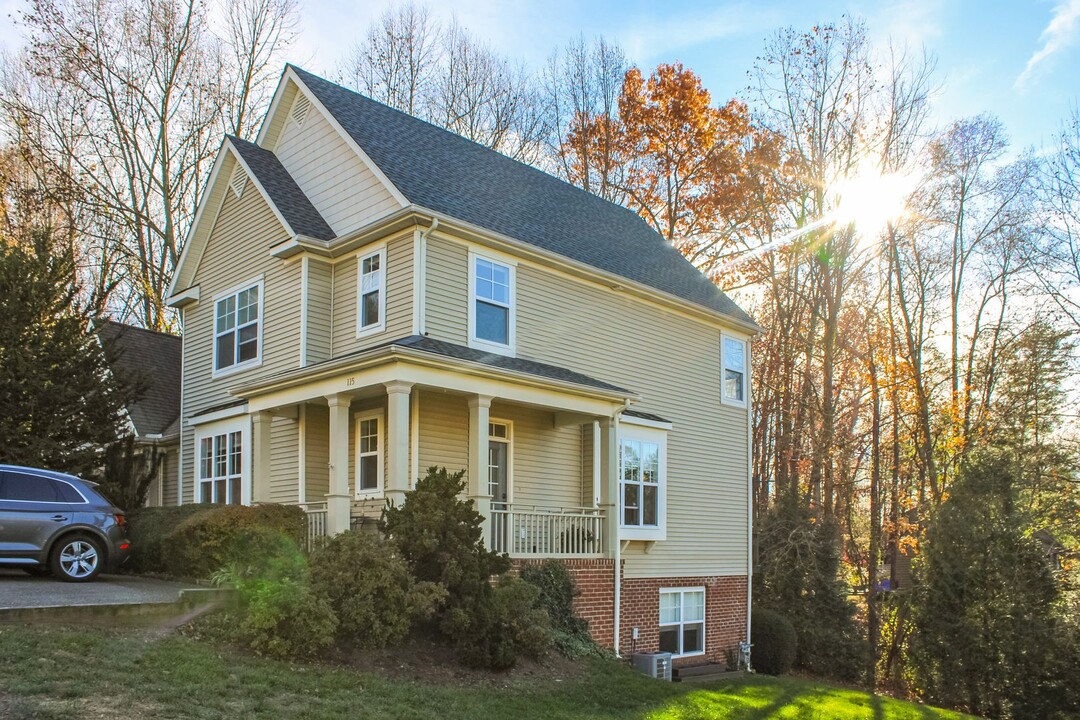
pixel 1058 35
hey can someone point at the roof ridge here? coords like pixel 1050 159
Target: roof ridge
pixel 459 137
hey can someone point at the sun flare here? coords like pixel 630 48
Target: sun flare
pixel 870 200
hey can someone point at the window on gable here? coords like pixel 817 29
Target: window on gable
pixel 372 292
pixel 642 474
pixel 221 460
pixel 492 311
pixel 369 454
pixel 237 331
pixel 734 370
pixel 682 621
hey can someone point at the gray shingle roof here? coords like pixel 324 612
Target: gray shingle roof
pixel 153 358
pixel 290 200
pixel 444 172
pixel 503 362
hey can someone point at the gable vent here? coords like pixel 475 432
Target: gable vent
pixel 239 180
pixel 300 110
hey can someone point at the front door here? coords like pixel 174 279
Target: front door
pixel 499 485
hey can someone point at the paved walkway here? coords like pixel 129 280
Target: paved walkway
pixel 19 590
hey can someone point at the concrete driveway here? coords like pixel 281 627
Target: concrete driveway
pixel 19 590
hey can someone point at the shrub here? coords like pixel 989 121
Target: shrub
pixel 775 642
pixel 279 614
pixel 148 529
pixel 439 535
pixel 556 594
pixel 202 543
pixel 506 624
pixel 368 585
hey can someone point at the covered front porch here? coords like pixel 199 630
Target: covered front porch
pixel 539 452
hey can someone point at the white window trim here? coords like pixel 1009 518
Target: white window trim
pixel 258 359
pixel 224 427
pixel 380 451
pixel 509 441
pixel 481 344
pixel 362 330
pixel 704 616
pixel 650 533
pixel 724 337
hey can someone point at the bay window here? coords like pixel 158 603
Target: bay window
pixel 642 482
pixel 221 469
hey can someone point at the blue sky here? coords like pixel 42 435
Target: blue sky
pixel 1018 59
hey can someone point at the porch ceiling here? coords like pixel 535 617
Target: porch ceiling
pixel 432 363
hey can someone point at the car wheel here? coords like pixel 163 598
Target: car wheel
pixel 76 558
pixel 37 570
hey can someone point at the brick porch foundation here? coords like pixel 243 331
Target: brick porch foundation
pixel 725 607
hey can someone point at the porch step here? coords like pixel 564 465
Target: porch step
pixel 703 673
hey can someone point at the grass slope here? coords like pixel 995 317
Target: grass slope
pixel 57 673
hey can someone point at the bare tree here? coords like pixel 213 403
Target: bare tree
pixel 128 99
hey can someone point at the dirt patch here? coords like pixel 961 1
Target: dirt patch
pixel 429 661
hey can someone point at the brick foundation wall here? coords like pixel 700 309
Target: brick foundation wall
pixel 725 607
pixel 725 614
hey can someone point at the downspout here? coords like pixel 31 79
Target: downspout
pixel 749 495
pixel 618 542
pixel 420 277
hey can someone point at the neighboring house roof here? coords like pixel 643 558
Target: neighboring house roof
pixel 444 172
pixel 286 195
pixel 154 358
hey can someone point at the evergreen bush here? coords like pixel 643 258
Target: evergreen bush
pixel 775 642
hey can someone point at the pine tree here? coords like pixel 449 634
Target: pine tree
pixel 986 635
pixel 59 405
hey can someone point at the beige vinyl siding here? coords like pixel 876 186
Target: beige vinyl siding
pixel 672 360
pixel 399 298
pixel 331 174
pixel 444 431
pixel 237 252
pixel 284 460
pixel 317 452
pixel 546 460
pixel 446 290
pixel 319 309
pixel 278 119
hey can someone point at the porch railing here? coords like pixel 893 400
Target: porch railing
pixel 529 531
pixel 316 522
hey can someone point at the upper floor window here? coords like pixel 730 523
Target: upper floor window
pixel 237 330
pixel 642 482
pixel 734 370
pixel 491 309
pixel 372 293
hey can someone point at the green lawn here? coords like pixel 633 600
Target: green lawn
pixel 54 673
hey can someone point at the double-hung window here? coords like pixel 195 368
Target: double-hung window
pixel 371 310
pixel 491 308
pixel 238 328
pixel 682 621
pixel 369 454
pixel 221 467
pixel 733 354
pixel 642 482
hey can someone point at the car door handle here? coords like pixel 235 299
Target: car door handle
pixel 58 518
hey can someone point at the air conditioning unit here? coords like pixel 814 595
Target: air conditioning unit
pixel 657 665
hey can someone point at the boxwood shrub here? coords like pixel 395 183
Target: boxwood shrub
pixel 775 642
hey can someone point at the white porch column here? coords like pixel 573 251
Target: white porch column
pixel 397 438
pixel 479 490
pixel 609 482
pixel 260 456
pixel 338 499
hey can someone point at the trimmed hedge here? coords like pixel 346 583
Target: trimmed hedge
pixel 775 642
pixel 195 540
pixel 148 528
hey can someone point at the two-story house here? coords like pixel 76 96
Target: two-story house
pixel 365 295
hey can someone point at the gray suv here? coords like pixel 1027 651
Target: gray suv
pixel 52 522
